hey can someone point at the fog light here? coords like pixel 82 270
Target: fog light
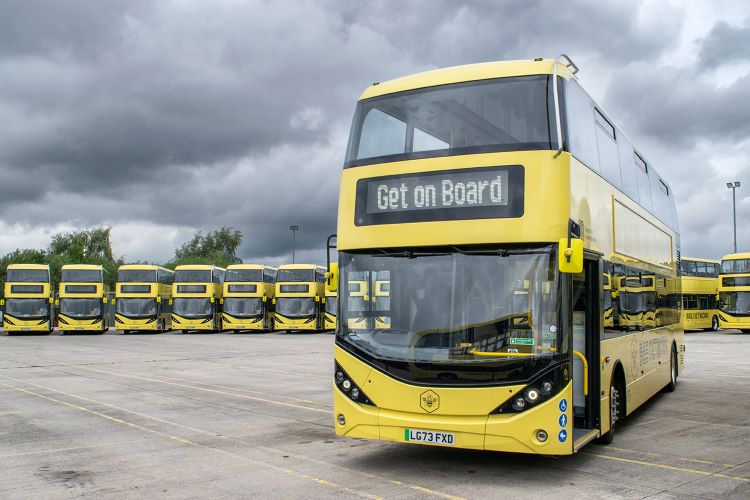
pixel 519 404
pixel 355 393
pixel 341 419
pixel 346 384
pixel 532 395
pixel 541 436
pixel 339 376
pixel 546 388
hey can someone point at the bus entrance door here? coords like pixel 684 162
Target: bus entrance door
pixel 587 323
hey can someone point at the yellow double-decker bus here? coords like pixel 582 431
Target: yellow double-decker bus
pixel 83 299
pixel 734 292
pixel 700 288
pixel 249 290
pixel 467 185
pixel 196 298
pixel 299 294
pixel 27 299
pixel 143 293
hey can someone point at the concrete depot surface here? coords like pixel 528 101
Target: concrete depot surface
pixel 199 416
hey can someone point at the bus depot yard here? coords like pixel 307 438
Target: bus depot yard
pixel 224 415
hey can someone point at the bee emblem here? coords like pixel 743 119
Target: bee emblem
pixel 429 401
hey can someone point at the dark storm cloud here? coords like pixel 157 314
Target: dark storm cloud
pixel 192 115
pixel 726 43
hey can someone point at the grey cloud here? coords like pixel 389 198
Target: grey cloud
pixel 725 43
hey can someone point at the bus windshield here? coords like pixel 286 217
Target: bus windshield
pixel 136 307
pixel 287 275
pixel 192 276
pixel 136 276
pixel 81 276
pixel 735 266
pixel 735 303
pixel 27 276
pixel 504 114
pixel 27 308
pixel 447 306
pixel 331 304
pixel 243 307
pixel 81 308
pixel 243 275
pixel 192 307
pixel 295 307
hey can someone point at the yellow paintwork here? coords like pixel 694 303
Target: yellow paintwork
pixel 159 291
pixel 98 324
pixel 266 291
pixel 465 73
pixel 213 291
pixel 12 324
pixel 556 189
pixel 697 285
pixel 465 412
pixel 315 289
pixel 728 321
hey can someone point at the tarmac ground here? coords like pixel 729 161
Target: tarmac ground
pixel 240 415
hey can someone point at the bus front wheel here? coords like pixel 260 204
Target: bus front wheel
pixel 714 323
pixel 672 385
pixel 745 330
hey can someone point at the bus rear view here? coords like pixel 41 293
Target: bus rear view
pixel 27 299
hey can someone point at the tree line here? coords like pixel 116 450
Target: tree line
pixel 94 246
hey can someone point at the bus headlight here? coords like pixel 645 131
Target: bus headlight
pixel 541 389
pixel 344 383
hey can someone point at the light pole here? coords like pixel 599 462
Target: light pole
pixel 733 186
pixel 294 230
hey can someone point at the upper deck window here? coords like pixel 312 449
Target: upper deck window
pixel 136 275
pixel 81 276
pixel 738 266
pixel 504 114
pixel 602 121
pixel 301 275
pixel 244 275
pixel 28 275
pixel 192 276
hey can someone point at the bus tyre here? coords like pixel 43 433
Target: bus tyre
pixel 745 330
pixel 714 323
pixel 184 332
pixel 614 413
pixel 672 385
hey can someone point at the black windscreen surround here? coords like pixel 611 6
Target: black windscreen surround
pixel 80 288
pixel 445 195
pixel 135 288
pixel 26 289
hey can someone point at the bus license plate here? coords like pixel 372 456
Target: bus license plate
pixel 26 328
pixel 431 437
pixel 79 328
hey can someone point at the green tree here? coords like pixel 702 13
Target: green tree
pixel 217 247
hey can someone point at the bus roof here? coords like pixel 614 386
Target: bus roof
pixel 198 267
pixel 696 259
pixel 83 266
pixel 249 266
pixel 300 266
pixel 735 256
pixel 466 73
pixel 29 266
pixel 148 267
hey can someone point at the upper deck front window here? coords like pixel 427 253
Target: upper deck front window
pixel 81 276
pixel 504 114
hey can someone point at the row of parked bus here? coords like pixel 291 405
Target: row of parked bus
pixel 150 298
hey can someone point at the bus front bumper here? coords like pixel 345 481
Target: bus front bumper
pixel 512 433
pixel 231 323
pixel 68 324
pixel 727 322
pixel 204 324
pixel 284 323
pixel 141 325
pixel 13 324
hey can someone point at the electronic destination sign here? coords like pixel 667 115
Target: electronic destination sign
pixel 473 193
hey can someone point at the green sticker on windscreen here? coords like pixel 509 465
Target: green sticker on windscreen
pixel 521 341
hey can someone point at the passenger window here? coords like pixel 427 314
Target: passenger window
pixel 427 142
pixel 382 134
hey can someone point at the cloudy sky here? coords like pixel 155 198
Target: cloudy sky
pixel 163 117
